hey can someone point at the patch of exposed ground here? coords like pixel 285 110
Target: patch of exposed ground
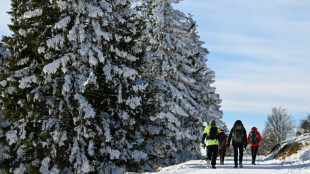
pixel 289 150
pixel 274 149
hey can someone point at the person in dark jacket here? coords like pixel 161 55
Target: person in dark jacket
pixel 254 138
pixel 239 141
pixel 222 146
pixel 211 132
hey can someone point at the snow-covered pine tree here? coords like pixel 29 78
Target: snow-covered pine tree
pixel 74 95
pixel 175 58
pixel 208 100
pixel 4 54
pixel 20 85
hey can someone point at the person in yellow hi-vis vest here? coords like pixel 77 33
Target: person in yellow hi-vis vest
pixel 211 133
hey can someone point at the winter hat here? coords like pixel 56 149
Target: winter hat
pixel 212 122
pixel 254 128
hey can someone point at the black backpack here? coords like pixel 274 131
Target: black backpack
pixel 237 134
pixel 253 137
pixel 213 134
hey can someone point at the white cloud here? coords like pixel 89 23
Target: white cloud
pixel 262 48
pixel 257 97
pixel 259 51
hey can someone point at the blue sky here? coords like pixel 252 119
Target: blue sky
pixel 259 50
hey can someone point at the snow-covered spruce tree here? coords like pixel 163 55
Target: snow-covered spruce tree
pixel 104 80
pixel 207 99
pixel 4 54
pixel 21 83
pixel 74 95
pixel 176 62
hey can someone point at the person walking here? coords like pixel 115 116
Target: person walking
pixel 253 139
pixel 211 133
pixel 222 146
pixel 239 141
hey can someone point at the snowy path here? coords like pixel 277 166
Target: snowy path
pixel 262 167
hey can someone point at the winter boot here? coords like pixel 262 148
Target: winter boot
pixel 240 165
pixel 236 165
pixel 213 167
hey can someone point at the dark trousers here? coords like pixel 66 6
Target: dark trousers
pixel 236 148
pixel 254 152
pixel 222 154
pixel 212 153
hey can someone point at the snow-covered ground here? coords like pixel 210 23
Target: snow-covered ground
pixel 297 163
pixel 262 167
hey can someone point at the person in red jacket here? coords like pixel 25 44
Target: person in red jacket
pixel 222 146
pixel 253 139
